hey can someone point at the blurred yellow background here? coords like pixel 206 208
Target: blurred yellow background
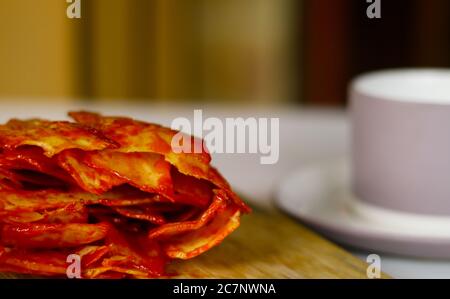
pixel 255 51
pixel 150 49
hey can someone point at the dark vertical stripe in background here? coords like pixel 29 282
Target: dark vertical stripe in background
pixel 326 51
pixel 432 33
pixel 342 42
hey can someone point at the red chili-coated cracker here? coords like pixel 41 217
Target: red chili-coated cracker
pixel 146 171
pixel 124 195
pixel 32 158
pixel 138 136
pixel 135 256
pixel 92 180
pixel 52 136
pixel 188 239
pixel 33 235
pixel 71 213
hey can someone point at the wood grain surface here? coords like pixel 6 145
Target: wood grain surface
pixel 270 245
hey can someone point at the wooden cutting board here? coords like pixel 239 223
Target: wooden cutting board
pixel 270 245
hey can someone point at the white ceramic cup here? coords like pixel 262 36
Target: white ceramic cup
pixel 401 139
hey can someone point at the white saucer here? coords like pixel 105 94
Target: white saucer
pixel 320 195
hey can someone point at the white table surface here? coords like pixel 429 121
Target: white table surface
pixel 306 136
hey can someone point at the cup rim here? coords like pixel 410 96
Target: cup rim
pixel 408 85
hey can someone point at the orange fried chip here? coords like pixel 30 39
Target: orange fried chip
pixel 92 254
pixel 96 181
pixel 42 200
pixel 142 213
pixel 138 136
pixel 52 137
pixel 120 193
pixel 192 191
pixel 140 260
pixel 32 158
pixel 146 171
pixel 32 235
pixel 112 272
pixel 48 263
pixel 198 241
pixel 72 213
pixel 51 205
pixel 136 256
pixel 129 196
pixel 130 201
pixel 164 231
pixel 217 179
pixel 188 239
pixel 20 216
